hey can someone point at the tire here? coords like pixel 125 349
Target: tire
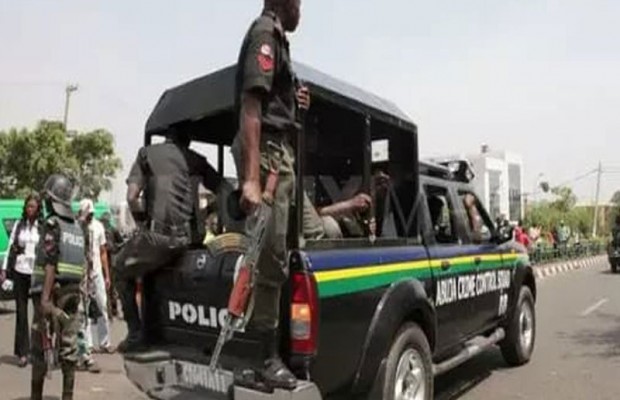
pixel 518 346
pixel 410 352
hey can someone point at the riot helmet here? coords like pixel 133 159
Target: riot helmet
pixel 57 193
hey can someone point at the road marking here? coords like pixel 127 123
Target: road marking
pixel 594 307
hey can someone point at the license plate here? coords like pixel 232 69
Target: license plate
pixel 201 376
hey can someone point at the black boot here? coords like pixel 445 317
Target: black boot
pixel 275 373
pixel 36 385
pixel 36 390
pixel 68 381
pixel 133 343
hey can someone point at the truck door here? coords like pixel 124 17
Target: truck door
pixel 444 238
pixel 491 297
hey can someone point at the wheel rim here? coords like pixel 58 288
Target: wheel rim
pixel 410 382
pixel 526 327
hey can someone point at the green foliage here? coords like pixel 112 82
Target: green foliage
pixel 28 157
pixel 549 214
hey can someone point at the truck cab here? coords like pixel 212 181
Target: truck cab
pixel 419 285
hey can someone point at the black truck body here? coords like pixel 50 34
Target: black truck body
pixel 429 287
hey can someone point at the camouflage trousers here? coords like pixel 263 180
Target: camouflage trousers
pixel 272 263
pixel 68 300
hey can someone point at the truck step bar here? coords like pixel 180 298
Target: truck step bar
pixel 162 377
pixel 472 348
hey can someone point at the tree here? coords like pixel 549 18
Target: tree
pixel 549 214
pixel 615 199
pixel 565 200
pixel 28 157
pixel 97 163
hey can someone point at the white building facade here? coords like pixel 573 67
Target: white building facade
pixel 499 182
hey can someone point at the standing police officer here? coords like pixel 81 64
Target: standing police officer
pixel 266 101
pixel 60 266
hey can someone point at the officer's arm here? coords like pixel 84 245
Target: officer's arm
pixel 259 68
pixel 251 114
pixel 51 253
pixel 135 184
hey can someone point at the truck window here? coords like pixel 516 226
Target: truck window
pixel 442 215
pixel 478 222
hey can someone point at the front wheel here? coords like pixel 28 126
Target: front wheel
pixel 409 370
pixel 518 346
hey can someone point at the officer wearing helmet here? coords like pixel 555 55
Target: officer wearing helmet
pixel 60 265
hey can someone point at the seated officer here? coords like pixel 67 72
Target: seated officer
pixel 167 176
pixel 60 266
pixel 322 223
pixel 329 222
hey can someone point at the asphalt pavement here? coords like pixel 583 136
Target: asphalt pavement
pixel 577 354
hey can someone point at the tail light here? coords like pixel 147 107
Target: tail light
pixel 304 314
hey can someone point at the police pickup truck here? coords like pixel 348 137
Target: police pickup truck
pixel 364 316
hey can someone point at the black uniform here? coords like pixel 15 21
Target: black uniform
pixel 169 175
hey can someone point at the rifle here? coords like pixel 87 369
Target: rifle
pixel 240 302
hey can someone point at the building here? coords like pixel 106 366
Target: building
pixel 499 182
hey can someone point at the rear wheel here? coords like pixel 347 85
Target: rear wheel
pixel 409 369
pixel 518 346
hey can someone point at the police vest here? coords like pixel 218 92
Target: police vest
pixel 71 262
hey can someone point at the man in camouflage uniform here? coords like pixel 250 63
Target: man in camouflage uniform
pixel 59 269
pixel 267 99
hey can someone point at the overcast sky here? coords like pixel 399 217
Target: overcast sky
pixel 540 78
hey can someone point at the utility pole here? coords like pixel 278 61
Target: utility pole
pixel 68 90
pixel 599 172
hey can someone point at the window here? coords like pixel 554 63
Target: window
pixel 442 215
pixel 478 221
pixel 494 196
pixel 514 191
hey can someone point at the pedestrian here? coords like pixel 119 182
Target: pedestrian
pixel 114 241
pixel 167 175
pixel 60 265
pixel 18 267
pixel 267 98
pixel 521 235
pixel 98 280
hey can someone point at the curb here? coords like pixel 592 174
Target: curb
pixel 549 270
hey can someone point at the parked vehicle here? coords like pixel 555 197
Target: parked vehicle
pixel 366 316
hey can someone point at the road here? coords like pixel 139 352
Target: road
pixel 577 353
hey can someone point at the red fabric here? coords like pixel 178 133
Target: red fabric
pixel 522 237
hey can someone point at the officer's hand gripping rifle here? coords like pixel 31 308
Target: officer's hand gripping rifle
pixel 239 302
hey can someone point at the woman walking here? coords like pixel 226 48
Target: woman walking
pixel 19 266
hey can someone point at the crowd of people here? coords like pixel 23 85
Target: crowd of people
pixel 535 237
pixel 99 300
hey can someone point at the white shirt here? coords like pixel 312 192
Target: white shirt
pixel 97 235
pixel 28 239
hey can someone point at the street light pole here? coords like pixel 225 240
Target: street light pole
pixel 68 90
pixel 597 199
